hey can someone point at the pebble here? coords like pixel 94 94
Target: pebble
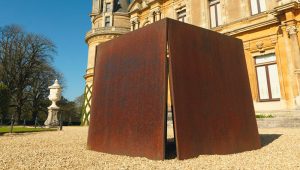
pixel 67 150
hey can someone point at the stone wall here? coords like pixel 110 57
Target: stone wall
pixel 273 31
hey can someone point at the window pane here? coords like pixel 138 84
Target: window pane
pixel 108 7
pixel 107 21
pixel 263 6
pixel 262 82
pixel 274 81
pixel 220 22
pixel 181 15
pixel 254 9
pixel 213 16
pixel 265 58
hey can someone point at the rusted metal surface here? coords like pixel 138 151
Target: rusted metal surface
pixel 129 94
pixel 210 91
pixel 212 103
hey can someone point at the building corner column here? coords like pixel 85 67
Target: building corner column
pixel 291 29
pixel 290 37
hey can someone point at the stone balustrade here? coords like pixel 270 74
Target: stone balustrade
pixel 106 30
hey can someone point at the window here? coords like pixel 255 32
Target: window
pixel 133 25
pixel 258 6
pixel 267 78
pixel 181 15
pixel 215 13
pixel 107 21
pixel 108 7
pixel 154 16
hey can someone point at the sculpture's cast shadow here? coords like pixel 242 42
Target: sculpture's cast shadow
pixel 265 139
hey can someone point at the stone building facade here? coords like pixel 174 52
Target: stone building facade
pixel 109 19
pixel 268 28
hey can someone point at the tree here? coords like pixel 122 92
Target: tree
pixel 4 101
pixel 43 77
pixel 69 109
pixel 79 102
pixel 25 67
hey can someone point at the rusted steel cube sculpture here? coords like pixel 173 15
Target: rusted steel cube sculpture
pixel 210 91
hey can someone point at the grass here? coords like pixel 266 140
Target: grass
pixel 21 129
pixel 264 116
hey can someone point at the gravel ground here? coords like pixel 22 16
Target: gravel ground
pixel 67 150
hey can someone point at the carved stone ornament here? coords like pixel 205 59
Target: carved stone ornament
pixel 145 3
pixel 260 45
pixel 291 29
pixel 246 45
pixel 273 40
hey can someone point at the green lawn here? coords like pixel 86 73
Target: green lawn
pixel 21 129
pixel 264 116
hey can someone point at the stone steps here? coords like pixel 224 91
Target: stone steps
pixel 280 120
pixel 285 122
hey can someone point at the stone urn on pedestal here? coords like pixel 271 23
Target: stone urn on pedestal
pixel 55 96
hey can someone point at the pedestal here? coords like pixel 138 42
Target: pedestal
pixel 52 120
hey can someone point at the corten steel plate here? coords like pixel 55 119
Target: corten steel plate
pixel 129 94
pixel 210 91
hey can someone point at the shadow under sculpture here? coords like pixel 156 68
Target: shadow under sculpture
pixel 210 92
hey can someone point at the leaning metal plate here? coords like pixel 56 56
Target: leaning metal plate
pixel 129 94
pixel 210 90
